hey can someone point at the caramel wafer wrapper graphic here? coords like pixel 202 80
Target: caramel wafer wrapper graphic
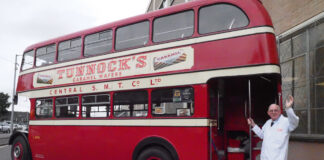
pixel 160 65
pixel 182 58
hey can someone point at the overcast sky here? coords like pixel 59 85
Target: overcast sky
pixel 25 22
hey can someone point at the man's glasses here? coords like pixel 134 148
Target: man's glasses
pixel 273 111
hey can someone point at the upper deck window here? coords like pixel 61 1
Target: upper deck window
pixel 221 17
pixel 45 55
pixel 28 60
pixel 70 49
pixel 175 26
pixel 133 35
pixel 98 43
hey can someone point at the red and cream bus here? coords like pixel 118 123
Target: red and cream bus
pixel 174 84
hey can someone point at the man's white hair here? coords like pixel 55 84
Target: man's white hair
pixel 278 107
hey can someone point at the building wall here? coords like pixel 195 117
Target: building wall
pixel 305 151
pixel 157 4
pixel 286 14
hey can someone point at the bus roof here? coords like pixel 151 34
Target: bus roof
pixel 248 6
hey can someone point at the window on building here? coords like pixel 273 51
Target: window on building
pixel 70 49
pixel 220 17
pixel 173 102
pixel 317 76
pixel 98 43
pixel 130 104
pixel 96 105
pixel 133 35
pixel 293 68
pixel 175 26
pixel 44 108
pixel 28 60
pixel 45 55
pixel 301 57
pixel 67 107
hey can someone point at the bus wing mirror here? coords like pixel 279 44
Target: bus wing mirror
pixel 15 99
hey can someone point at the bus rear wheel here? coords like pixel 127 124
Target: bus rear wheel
pixel 19 150
pixel 155 153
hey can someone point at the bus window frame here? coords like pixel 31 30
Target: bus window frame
pixel 23 60
pixel 66 96
pixel 95 94
pixel 55 55
pixel 53 105
pixel 169 115
pixel 148 92
pixel 177 39
pixel 112 49
pixel 128 24
pixel 70 39
pixel 221 31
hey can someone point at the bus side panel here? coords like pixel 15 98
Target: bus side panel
pixel 236 52
pixel 233 52
pixel 86 142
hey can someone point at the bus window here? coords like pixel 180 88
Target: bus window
pixel 175 26
pixel 45 55
pixel 96 105
pixel 133 35
pixel 28 60
pixel 67 107
pixel 221 17
pixel 44 108
pixel 173 102
pixel 98 43
pixel 70 49
pixel 130 104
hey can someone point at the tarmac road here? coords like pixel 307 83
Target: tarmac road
pixel 4 147
pixel 5 152
pixel 4 138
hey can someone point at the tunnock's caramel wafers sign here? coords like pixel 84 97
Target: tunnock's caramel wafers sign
pixel 161 61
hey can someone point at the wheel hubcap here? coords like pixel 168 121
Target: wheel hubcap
pixel 17 151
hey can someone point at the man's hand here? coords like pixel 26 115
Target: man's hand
pixel 250 122
pixel 289 101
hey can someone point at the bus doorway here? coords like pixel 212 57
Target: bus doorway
pixel 232 101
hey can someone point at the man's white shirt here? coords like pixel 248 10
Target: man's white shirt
pixel 276 138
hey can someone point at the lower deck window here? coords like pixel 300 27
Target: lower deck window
pixel 67 107
pixel 96 106
pixel 173 102
pixel 44 108
pixel 130 104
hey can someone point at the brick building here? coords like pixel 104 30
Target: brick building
pixel 299 27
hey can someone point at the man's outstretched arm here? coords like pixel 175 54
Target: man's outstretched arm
pixel 292 118
pixel 255 128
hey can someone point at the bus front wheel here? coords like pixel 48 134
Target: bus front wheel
pixel 19 150
pixel 154 153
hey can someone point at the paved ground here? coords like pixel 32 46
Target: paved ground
pixel 4 138
pixel 5 152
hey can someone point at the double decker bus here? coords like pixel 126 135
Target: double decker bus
pixel 173 84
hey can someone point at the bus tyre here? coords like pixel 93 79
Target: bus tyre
pixel 19 150
pixel 154 153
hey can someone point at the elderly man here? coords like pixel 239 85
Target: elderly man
pixel 276 131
